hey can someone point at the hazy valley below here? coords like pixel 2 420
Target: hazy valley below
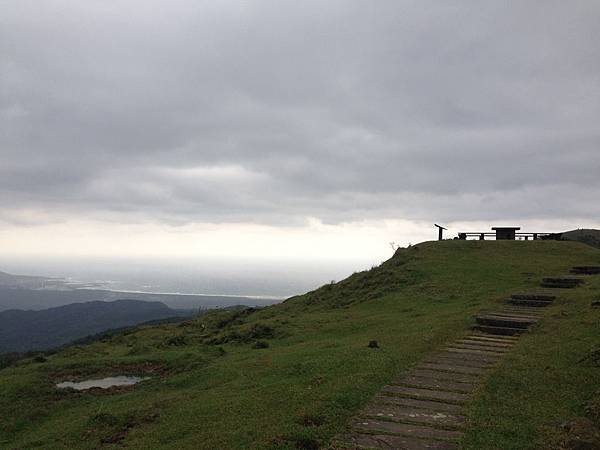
pixel 45 304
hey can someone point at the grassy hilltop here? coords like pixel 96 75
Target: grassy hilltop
pixel 587 236
pixel 291 375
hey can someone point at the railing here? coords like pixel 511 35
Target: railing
pixel 518 236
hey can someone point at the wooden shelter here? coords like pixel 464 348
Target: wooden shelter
pixel 506 233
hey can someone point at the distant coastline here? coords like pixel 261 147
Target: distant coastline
pixel 27 292
pixel 134 291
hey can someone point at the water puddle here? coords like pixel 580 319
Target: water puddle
pixel 103 383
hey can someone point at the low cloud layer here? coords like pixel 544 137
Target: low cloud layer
pixel 273 112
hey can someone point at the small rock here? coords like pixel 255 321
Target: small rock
pixel 260 344
pixel 373 344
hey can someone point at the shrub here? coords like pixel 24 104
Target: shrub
pixel 176 341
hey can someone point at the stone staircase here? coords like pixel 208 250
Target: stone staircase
pixel 425 408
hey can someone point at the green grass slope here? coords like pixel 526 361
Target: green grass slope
pixel 545 394
pixel 291 375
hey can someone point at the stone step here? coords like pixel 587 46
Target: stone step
pixel 457 377
pixel 476 346
pixel 431 405
pixel 489 350
pixel 413 415
pixel 518 308
pixel 568 280
pixel 509 315
pixel 561 283
pixel 534 296
pixel 502 331
pixel 586 270
pixel 533 318
pixel 499 321
pixel 482 343
pixel 433 383
pixel 468 358
pixel 460 360
pixel 426 394
pixel 509 339
pixel 404 429
pixel 388 441
pixel 451 368
pixel 525 310
pixel 532 303
pixel 558 285
pixel 472 353
pixel 493 341
pixel 509 306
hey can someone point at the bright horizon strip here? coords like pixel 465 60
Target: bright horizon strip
pixel 309 242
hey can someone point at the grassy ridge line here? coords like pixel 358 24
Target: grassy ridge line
pixel 210 389
pixel 587 236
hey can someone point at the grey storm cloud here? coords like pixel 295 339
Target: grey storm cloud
pixel 272 111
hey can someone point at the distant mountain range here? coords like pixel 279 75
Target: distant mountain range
pixel 36 292
pixel 22 331
pixel 38 313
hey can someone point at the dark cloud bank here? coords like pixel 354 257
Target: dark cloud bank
pixel 272 111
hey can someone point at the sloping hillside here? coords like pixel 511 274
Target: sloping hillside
pixel 586 236
pixel 291 375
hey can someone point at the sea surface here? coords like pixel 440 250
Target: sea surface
pixel 251 278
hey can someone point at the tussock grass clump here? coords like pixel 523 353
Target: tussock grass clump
pixel 244 334
pixel 369 284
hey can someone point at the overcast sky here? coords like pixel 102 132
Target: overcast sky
pixel 292 128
